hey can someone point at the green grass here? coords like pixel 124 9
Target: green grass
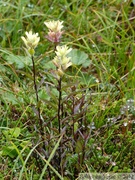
pixel 97 91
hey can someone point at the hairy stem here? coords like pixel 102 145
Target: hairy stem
pixel 59 105
pixel 38 109
pixel 37 98
pixel 59 118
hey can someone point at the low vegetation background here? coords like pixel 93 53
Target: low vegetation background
pixel 97 104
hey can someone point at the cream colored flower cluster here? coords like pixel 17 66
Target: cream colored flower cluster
pixel 55 30
pixel 54 26
pixel 31 41
pixel 61 61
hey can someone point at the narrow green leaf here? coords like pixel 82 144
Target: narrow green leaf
pixel 48 161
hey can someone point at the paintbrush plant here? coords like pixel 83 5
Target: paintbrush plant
pixel 31 41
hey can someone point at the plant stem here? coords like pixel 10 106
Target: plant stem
pixel 59 118
pixel 59 105
pixel 55 45
pixel 38 109
pixel 37 98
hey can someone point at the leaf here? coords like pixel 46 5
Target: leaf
pixel 49 65
pixel 9 151
pixel 15 132
pixel 79 146
pixel 19 61
pixel 76 125
pixel 9 97
pixel 43 95
pixel 6 134
pixel 79 58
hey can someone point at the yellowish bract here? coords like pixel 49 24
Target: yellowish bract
pixel 61 61
pixel 31 41
pixel 54 26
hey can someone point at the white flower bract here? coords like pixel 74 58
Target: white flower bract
pixel 61 61
pixel 54 26
pixel 31 41
pixel 62 50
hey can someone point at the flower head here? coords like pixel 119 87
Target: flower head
pixel 31 41
pixel 55 30
pixel 54 26
pixel 62 50
pixel 61 61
